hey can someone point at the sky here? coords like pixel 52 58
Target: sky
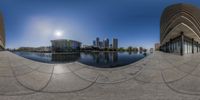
pixel 34 23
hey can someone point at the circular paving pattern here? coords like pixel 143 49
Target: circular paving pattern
pixel 174 73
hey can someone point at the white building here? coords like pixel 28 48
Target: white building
pixel 63 45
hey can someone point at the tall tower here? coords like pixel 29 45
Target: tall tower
pixel 2 33
pixel 106 43
pixel 115 43
pixel 97 42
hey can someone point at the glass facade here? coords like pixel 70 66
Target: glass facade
pixel 181 45
pixel 64 45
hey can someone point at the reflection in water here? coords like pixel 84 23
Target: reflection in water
pixel 129 53
pixel 109 59
pixel 65 57
pixel 114 56
pixel 96 59
pixel 104 57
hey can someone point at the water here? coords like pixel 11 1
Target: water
pixel 96 59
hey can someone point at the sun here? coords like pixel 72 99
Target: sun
pixel 58 33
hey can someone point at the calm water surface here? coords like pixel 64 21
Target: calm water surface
pixel 96 59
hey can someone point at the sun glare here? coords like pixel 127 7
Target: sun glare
pixel 58 33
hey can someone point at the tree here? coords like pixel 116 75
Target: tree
pixel 129 48
pixel 121 49
pixel 141 49
pixel 135 49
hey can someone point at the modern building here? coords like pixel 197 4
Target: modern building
pixel 35 49
pixel 111 46
pixel 63 45
pixel 97 42
pixel 180 29
pixel 43 49
pixel 2 33
pixel 115 43
pixel 94 43
pixel 106 43
pixel 101 45
pixel 29 49
pixel 157 46
pixel 151 50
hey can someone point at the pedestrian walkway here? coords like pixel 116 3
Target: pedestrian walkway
pixel 160 76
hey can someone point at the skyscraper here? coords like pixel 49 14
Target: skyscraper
pixel 2 33
pixel 115 43
pixel 101 45
pixel 94 43
pixel 97 42
pixel 106 43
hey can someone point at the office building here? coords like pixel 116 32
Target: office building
pixel 97 42
pixel 106 43
pixel 180 29
pixel 115 43
pixel 63 45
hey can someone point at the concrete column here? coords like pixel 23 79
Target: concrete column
pixel 182 43
pixel 197 45
pixel 167 45
pixel 192 45
pixel 170 46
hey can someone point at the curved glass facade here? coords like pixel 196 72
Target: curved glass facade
pixel 180 29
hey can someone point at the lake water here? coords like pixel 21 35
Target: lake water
pixel 96 59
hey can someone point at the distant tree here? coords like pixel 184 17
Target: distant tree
pixel 129 48
pixel 135 49
pixel 141 49
pixel 121 49
pixel 144 50
pixel 106 49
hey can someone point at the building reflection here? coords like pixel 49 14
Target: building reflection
pixel 62 57
pixel 105 57
pixel 114 56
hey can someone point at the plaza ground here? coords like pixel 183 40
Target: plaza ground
pixel 160 76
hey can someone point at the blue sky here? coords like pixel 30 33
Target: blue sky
pixel 133 22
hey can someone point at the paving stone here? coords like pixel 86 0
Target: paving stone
pixel 61 68
pixel 159 76
pixel 67 82
pixel 34 80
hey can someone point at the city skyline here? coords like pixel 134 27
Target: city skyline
pixel 134 23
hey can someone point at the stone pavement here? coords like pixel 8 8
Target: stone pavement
pixel 160 76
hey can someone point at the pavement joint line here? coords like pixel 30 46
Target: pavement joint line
pixel 41 90
pixel 186 74
pixel 74 72
pixel 168 59
pixel 175 90
pixel 73 91
pixel 38 90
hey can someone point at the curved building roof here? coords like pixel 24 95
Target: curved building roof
pixel 177 18
pixel 2 33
